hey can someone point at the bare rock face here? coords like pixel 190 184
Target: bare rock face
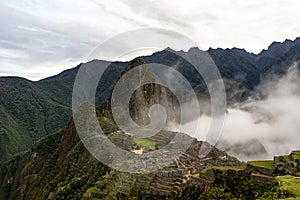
pixel 146 95
pixel 149 95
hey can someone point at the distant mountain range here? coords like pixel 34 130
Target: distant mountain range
pixel 43 157
pixel 31 110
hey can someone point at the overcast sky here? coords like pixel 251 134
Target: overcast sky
pixel 39 38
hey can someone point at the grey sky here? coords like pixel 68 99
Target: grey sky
pixel 39 38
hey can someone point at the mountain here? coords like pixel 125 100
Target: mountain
pixel 281 66
pixel 57 166
pixel 274 52
pixel 60 86
pixel 146 95
pixel 236 64
pixel 27 114
pixel 233 64
pixel 31 110
pixel 60 167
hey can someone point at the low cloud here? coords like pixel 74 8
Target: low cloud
pixel 262 128
pixel 273 121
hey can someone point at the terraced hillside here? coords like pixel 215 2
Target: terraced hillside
pixel 264 179
pixel 204 179
pixel 285 169
pixel 169 182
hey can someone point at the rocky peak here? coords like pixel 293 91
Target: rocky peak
pixel 146 95
pixel 134 63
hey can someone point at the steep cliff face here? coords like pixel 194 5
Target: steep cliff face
pixel 149 91
pixel 150 94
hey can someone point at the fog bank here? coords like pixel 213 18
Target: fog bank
pixel 263 127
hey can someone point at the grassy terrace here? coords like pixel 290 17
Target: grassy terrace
pixel 290 184
pixel 224 168
pixel 288 158
pixel 296 154
pixel 236 168
pixel 265 164
pixel 145 143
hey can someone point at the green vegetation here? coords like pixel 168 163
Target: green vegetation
pixel 27 114
pixel 107 125
pixel 60 87
pixel 145 143
pixel 290 184
pixel 265 164
pixel 296 155
pixel 31 110
pixel 288 158
pixel 58 165
pixel 224 168
pixel 235 168
pixel 232 186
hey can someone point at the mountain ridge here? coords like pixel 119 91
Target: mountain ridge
pixel 60 167
pixel 238 68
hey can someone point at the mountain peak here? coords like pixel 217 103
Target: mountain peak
pixel 286 44
pixel 169 49
pixel 134 63
pixel 194 49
